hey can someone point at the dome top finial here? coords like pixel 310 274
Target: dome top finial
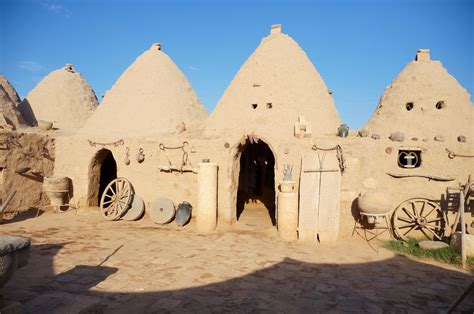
pixel 156 46
pixel 276 29
pixel 423 55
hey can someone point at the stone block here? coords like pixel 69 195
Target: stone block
pixel 432 245
pixel 469 244
pixel 397 137
pixel 302 128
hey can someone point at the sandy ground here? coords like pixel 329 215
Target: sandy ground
pixel 82 263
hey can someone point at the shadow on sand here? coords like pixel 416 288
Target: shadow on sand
pixel 21 216
pixel 290 286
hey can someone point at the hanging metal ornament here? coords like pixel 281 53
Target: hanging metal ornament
pixel 126 160
pixel 140 155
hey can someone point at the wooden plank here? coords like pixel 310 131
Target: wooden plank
pixel 329 201
pixel 328 228
pixel 322 170
pixel 320 186
pixel 308 199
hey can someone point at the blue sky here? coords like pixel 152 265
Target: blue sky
pixel 357 46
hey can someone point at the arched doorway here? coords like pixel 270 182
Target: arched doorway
pixel 102 170
pixel 256 185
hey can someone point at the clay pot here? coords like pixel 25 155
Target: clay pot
pixel 126 161
pixel 140 156
pixel 287 186
pixel 343 130
pixel 375 203
pixel 56 188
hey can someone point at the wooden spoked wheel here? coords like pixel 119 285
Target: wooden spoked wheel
pixel 116 199
pixel 419 218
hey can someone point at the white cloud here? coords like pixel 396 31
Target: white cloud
pixel 31 66
pixel 55 8
pixel 193 68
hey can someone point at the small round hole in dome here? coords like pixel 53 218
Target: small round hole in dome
pixel 409 106
pixel 440 105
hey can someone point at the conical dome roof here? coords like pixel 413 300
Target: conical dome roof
pixel 10 90
pixel 62 97
pixel 151 97
pixel 424 101
pixel 10 118
pixel 277 84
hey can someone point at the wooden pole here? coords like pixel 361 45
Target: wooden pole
pixel 463 228
pixel 7 201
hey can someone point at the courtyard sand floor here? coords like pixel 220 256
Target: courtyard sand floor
pixel 82 263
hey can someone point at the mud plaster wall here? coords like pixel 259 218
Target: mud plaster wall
pixel 35 151
pixel 75 154
pixel 367 163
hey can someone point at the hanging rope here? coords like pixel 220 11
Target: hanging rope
pixel 116 143
pixel 452 154
pixel 185 158
pixel 339 155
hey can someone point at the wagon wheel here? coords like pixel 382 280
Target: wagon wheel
pixel 419 218
pixel 116 199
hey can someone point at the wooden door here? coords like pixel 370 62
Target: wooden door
pixel 320 189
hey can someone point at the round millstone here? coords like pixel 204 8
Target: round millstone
pixel 432 245
pixel 136 209
pixel 162 211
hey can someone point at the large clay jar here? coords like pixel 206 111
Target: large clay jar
pixel 56 188
pixel 374 203
pixel 14 253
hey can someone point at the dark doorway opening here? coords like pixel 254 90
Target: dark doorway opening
pixel 108 172
pixel 103 169
pixel 256 191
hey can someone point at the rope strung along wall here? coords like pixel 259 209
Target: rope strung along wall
pixel 116 143
pixel 339 155
pixel 452 154
pixel 185 166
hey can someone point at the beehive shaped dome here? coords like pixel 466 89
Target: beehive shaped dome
pixel 10 117
pixel 151 97
pixel 10 90
pixel 62 97
pixel 424 101
pixel 277 84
